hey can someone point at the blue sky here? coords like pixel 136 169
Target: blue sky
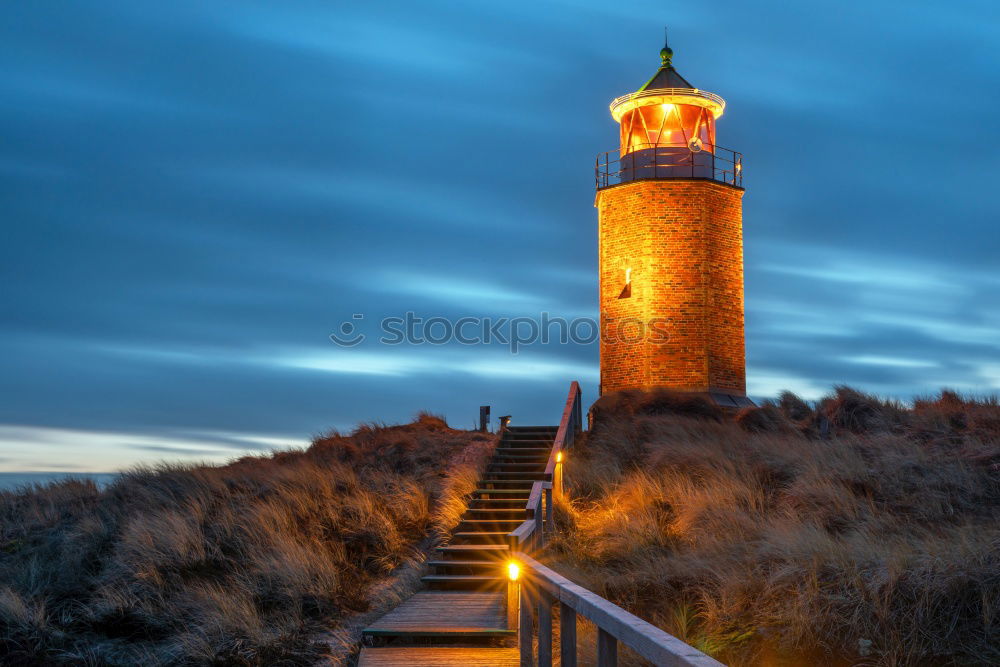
pixel 196 194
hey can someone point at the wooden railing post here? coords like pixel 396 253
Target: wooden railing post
pixel 512 592
pixel 567 635
pixel 539 536
pixel 607 649
pixel 579 412
pixel 524 626
pixel 544 629
pixel 549 525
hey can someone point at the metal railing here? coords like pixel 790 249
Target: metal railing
pixel 664 161
pixel 537 587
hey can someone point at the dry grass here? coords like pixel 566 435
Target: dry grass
pixel 855 531
pixel 237 565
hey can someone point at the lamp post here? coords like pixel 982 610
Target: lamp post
pixel 513 573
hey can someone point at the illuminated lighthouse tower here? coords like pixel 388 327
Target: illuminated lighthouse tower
pixel 671 245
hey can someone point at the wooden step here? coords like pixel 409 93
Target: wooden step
pixel 476 524
pixel 527 441
pixel 462 578
pixel 532 455
pixel 467 564
pixel 520 471
pixel 521 429
pixel 497 550
pixel 444 614
pixel 518 465
pixel 502 492
pixel 498 503
pixel 480 536
pixel 534 458
pixel 506 481
pixel 530 475
pixel 485 578
pixel 527 482
pixel 439 656
pixel 538 460
pixel 460 581
pixel 509 484
pixel 522 450
pixel 504 503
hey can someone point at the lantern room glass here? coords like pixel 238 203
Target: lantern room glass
pixel 665 125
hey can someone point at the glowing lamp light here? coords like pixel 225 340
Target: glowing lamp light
pixel 628 275
pixel 559 457
pixel 513 571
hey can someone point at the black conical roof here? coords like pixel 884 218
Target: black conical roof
pixel 666 77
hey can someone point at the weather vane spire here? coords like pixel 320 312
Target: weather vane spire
pixel 666 53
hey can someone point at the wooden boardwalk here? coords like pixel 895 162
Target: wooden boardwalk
pixel 461 620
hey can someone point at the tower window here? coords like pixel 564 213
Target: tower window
pixel 627 289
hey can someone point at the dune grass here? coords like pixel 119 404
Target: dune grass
pixel 244 564
pixel 855 531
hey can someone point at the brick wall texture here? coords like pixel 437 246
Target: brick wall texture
pixel 683 241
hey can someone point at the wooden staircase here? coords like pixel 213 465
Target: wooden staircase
pixel 461 616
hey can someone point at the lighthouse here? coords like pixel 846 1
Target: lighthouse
pixel 670 236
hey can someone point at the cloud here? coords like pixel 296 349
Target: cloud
pixel 196 195
pixel 455 289
pixel 42 448
pixel 874 360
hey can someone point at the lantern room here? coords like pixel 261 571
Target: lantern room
pixel 667 130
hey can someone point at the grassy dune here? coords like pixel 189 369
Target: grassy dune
pixel 244 564
pixel 855 531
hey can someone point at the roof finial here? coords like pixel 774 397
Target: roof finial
pixel 666 53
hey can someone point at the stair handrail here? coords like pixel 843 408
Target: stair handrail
pixel 570 424
pixel 528 535
pixel 541 587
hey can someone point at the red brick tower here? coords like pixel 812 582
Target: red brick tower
pixel 671 245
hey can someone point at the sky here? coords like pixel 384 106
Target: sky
pixel 196 194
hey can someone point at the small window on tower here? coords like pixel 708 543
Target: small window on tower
pixel 627 290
